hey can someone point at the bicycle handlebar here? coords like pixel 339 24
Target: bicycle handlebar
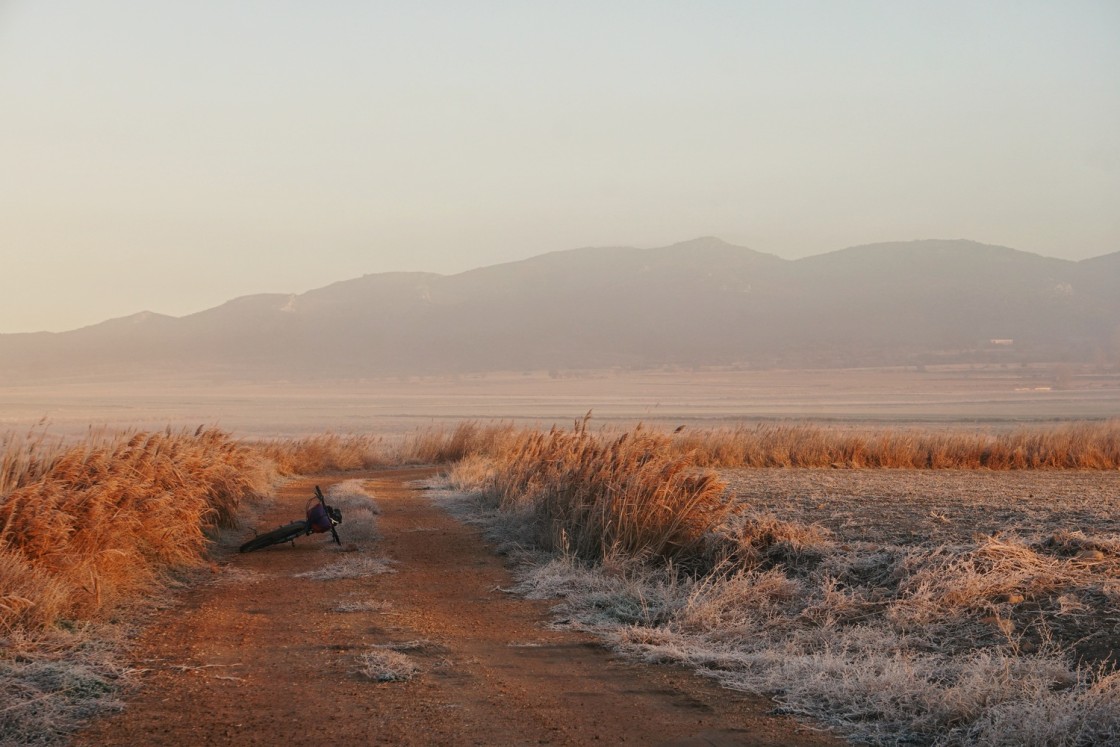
pixel 323 503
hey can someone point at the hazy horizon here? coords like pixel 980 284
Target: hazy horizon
pixel 170 158
pixel 300 291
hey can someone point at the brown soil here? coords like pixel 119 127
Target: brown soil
pixel 262 657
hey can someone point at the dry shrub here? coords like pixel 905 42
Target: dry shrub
pixel 733 600
pixel 331 452
pixel 99 521
pixel 1081 546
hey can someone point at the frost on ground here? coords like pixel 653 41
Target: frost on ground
pixel 350 567
pixel 895 606
pixel 52 683
pixel 418 646
pixel 359 512
pixel 363 605
pixel 232 574
pixel 386 665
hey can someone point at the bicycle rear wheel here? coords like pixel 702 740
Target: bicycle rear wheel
pixel 285 533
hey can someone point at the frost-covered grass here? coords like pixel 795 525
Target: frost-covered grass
pixel 1006 638
pixel 363 605
pixel 386 665
pixel 906 668
pixel 350 567
pixel 53 681
pixel 359 512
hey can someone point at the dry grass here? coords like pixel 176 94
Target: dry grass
pixel 51 683
pixel 377 606
pixel 85 527
pixel 441 446
pixel 327 452
pixel 386 665
pixel 331 452
pixel 350 567
pixel 965 640
pixel 595 497
pixel 359 513
pixel 1069 446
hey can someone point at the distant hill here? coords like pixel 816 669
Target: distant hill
pixel 701 302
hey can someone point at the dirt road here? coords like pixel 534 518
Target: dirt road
pixel 263 657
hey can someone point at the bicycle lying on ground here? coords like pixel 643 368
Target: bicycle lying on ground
pixel 320 518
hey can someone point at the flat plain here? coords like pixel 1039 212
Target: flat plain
pixel 995 396
pixel 949 606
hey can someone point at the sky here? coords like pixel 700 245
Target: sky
pixel 172 156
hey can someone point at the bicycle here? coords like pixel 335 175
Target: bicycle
pixel 320 518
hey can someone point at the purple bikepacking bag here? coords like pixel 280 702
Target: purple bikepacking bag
pixel 318 519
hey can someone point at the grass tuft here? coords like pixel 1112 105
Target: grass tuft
pixel 386 665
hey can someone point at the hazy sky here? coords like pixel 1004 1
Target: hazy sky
pixel 172 155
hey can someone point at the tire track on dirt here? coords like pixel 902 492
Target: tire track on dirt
pixel 262 657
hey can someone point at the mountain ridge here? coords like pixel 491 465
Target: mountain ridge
pixel 699 302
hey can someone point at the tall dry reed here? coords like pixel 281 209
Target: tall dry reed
pixel 87 526
pixel 332 452
pixel 440 446
pixel 1083 445
pixel 593 497
pixel 325 452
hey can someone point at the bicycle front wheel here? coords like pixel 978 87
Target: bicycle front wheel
pixel 285 533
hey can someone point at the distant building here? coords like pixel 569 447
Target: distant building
pixel 1003 341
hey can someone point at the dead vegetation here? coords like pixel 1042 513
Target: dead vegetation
pixel 1083 445
pixel 332 452
pixel 963 639
pixel 359 513
pixel 86 530
pixel 386 665
pixel 89 526
pixel 353 566
pixel 326 452
pixel 594 497
pixel 86 527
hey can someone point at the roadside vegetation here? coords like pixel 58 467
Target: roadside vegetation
pixel 986 639
pixel 91 531
pixel 86 530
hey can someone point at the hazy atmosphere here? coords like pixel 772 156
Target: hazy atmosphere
pixel 173 156
pixel 777 342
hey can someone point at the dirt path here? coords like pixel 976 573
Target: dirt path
pixel 262 657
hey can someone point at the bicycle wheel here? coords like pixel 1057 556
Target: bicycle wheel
pixel 285 533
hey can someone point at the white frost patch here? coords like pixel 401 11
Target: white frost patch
pixel 359 512
pixel 351 567
pixel 886 644
pixel 384 665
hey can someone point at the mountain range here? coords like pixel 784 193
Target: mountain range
pixel 701 302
